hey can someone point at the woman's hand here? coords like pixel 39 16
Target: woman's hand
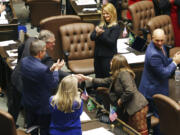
pixel 99 30
pixel 119 102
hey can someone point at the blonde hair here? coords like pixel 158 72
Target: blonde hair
pixel 66 95
pixel 118 64
pixel 111 10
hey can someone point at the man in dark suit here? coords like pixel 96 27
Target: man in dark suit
pixel 38 80
pixel 15 101
pixel 157 69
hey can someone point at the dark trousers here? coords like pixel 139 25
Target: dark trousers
pixel 14 102
pixel 102 66
pixel 42 120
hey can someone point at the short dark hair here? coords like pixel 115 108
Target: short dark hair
pixel 37 46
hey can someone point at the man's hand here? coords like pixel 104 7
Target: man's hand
pixel 176 58
pixel 57 66
pixel 119 102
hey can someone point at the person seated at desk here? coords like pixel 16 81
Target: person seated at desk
pixel 105 36
pixel 38 80
pixel 2 8
pixel 123 93
pixel 66 107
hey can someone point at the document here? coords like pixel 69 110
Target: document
pixel 85 2
pixel 132 58
pixel 4 0
pixel 7 42
pixel 84 117
pixel 3 19
pixel 12 53
pixel 97 131
pixel 122 45
pixel 89 9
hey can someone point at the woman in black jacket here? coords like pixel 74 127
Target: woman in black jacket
pixel 105 36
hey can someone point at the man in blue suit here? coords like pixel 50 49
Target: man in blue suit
pixel 157 69
pixel 38 81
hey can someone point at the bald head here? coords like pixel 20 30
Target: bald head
pixel 158 37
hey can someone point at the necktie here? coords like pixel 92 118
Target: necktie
pixel 163 51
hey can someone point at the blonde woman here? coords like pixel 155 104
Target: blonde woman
pixel 105 36
pixel 66 107
pixel 123 93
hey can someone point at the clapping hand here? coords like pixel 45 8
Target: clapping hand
pixel 99 30
pixel 57 66
pixel 176 58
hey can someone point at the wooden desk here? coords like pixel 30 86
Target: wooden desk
pixel 92 17
pixel 9 31
pixel 120 127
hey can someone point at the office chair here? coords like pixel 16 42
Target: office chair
pixel 52 24
pixel 78 47
pixel 8 127
pixel 169 114
pixel 164 22
pixel 141 12
pixel 40 9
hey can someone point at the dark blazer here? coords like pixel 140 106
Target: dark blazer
pixel 38 81
pixel 157 70
pixel 124 88
pixel 47 60
pixel 165 7
pixel 106 43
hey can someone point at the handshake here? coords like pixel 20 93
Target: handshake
pixel 59 64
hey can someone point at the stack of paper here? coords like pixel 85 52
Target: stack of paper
pixel 97 131
pixel 3 19
pixel 122 45
pixel 84 117
pixel 132 58
pixel 12 53
pixel 7 42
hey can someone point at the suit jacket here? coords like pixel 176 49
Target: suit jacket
pixel 157 70
pixel 124 88
pixel 165 7
pixel 106 43
pixel 38 81
pixel 47 60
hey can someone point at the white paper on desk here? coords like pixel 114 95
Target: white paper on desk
pixel 12 67
pixel 84 116
pixel 7 42
pixel 14 62
pixel 11 54
pixel 122 45
pixel 132 58
pixel 89 9
pixel 4 0
pixel 97 131
pixel 3 19
pixel 85 2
